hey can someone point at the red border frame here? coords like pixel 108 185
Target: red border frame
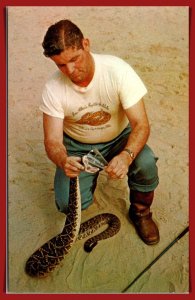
pixel 3 148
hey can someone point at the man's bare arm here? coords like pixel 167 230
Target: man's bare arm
pixel 53 140
pixel 55 149
pixel 118 166
pixel 140 127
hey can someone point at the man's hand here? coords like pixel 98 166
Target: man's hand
pixel 72 166
pixel 119 165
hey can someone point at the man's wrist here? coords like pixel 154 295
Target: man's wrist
pixel 62 162
pixel 130 152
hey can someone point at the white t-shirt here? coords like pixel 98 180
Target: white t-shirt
pixel 94 114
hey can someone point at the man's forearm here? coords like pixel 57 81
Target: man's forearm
pixel 56 152
pixel 138 138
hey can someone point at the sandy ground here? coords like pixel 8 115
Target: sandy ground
pixel 154 40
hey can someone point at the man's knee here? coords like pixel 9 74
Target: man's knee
pixel 144 169
pixel 61 206
pixel 61 188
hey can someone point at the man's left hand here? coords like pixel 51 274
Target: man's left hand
pixel 119 165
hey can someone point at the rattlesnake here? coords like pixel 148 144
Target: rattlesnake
pixel 49 255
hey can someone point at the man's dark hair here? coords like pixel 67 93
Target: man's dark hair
pixel 60 36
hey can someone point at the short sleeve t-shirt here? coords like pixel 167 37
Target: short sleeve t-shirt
pixel 96 113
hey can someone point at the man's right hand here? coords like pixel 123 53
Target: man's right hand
pixel 72 166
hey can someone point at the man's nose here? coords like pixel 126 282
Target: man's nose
pixel 70 67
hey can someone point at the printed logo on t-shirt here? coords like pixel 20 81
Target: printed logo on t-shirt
pixel 95 118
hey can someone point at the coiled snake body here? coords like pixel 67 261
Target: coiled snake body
pixel 49 255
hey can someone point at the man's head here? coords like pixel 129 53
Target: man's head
pixel 65 44
pixel 60 36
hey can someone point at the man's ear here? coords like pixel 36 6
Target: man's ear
pixel 86 44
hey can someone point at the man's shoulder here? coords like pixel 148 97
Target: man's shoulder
pixel 111 60
pixel 112 66
pixel 55 79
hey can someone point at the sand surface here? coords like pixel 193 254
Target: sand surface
pixel 154 41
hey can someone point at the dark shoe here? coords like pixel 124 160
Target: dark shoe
pixel 145 226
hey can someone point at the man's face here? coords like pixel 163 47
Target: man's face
pixel 77 64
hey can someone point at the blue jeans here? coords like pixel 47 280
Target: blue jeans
pixel 142 174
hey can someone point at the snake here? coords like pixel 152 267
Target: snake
pixel 46 258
